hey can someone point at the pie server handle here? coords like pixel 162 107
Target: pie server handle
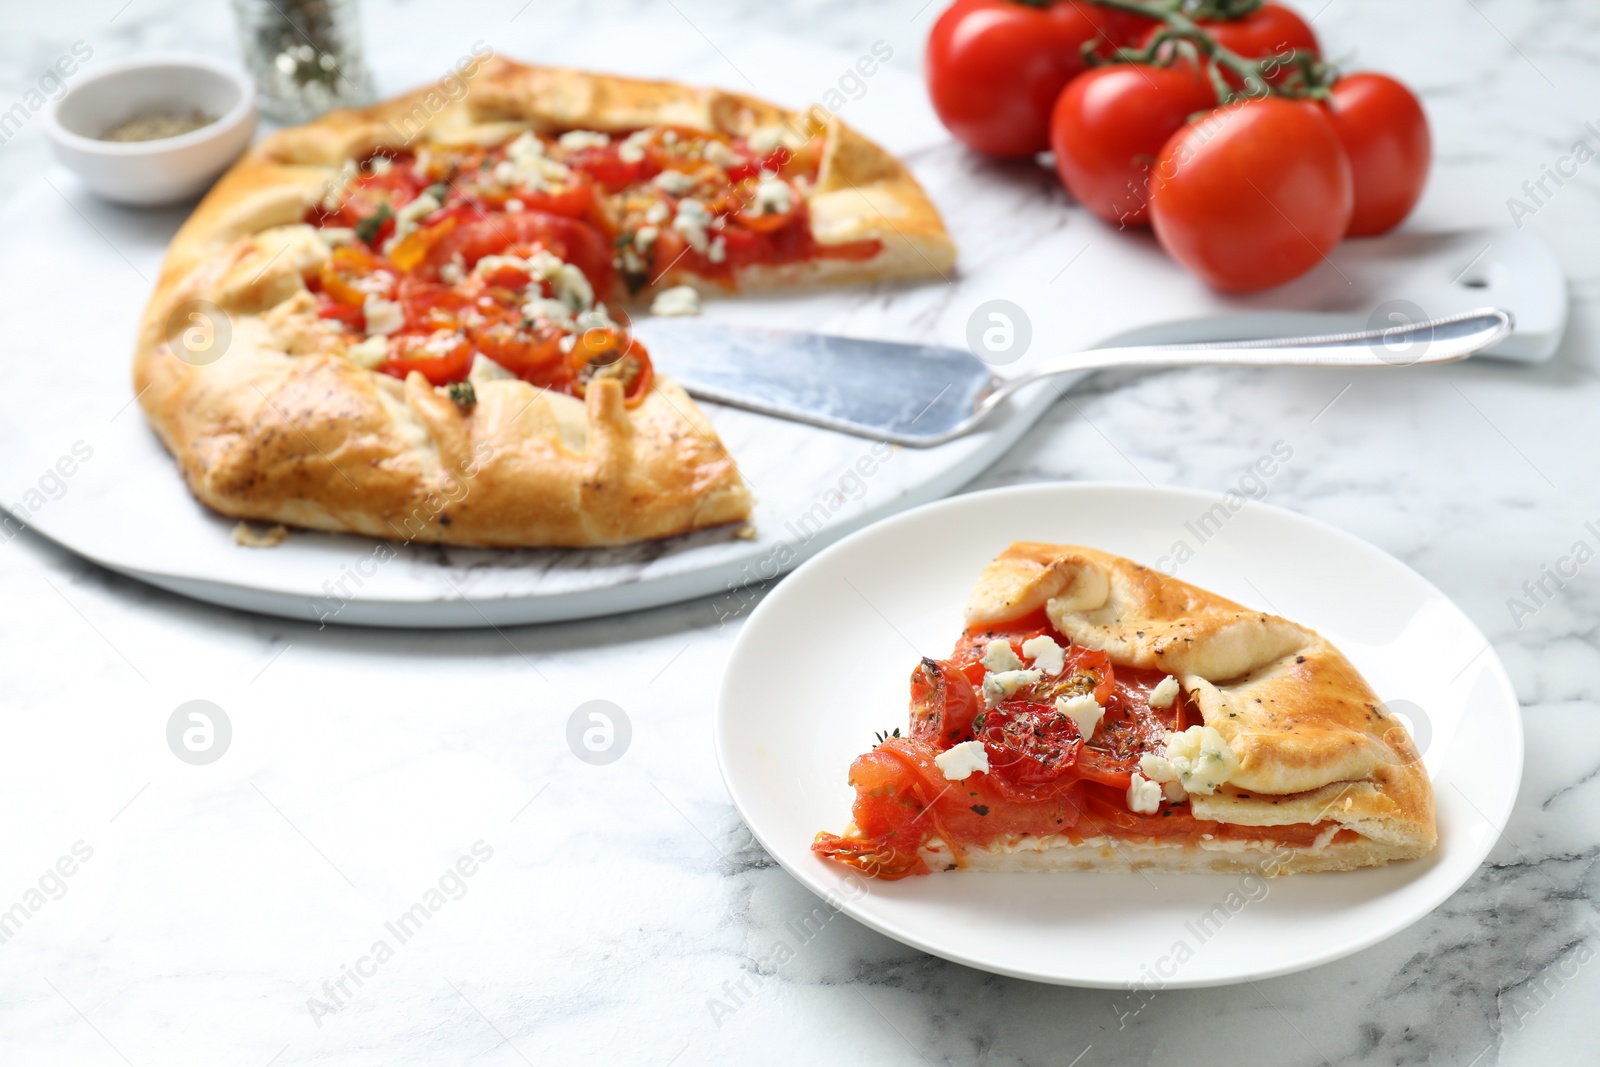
pixel 923 395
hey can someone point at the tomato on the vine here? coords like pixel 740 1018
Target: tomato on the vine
pixel 1385 133
pixel 1254 194
pixel 1270 32
pixel 1109 126
pixel 995 67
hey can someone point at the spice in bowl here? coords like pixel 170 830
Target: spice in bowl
pixel 157 126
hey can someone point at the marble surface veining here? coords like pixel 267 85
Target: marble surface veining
pixel 617 914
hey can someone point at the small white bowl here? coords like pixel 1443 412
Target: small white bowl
pixel 160 171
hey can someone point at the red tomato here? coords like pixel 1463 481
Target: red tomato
pixel 1254 194
pixel 995 67
pixel 1109 126
pixel 1385 134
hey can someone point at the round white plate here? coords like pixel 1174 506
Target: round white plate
pixel 823 662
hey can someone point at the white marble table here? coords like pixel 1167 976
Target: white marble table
pixel 615 914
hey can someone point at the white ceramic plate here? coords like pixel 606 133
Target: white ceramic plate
pixel 824 661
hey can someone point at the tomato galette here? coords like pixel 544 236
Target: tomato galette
pixel 408 315
pixel 1098 715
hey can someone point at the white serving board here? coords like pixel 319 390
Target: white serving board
pixel 75 274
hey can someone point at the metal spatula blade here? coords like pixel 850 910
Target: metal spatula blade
pixel 874 388
pixel 922 395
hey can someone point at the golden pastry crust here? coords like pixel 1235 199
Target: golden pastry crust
pixel 1314 742
pixel 282 428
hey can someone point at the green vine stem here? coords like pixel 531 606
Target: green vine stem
pixel 1306 76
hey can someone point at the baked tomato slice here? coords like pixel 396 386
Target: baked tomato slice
pixel 943 704
pixel 442 357
pixel 570 240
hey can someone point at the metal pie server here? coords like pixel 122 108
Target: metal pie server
pixel 923 395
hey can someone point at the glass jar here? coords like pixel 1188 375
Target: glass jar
pixel 305 56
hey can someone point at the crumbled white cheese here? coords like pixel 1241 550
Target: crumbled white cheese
pixel 644 238
pixel 773 196
pixel 527 165
pixel 544 263
pixel 1160 769
pixel 679 300
pixel 632 148
pixel 692 221
pixel 659 212
pixel 487 265
pixel 1005 684
pixel 669 137
pixel 675 182
pixel 763 140
pixel 1157 768
pixel 572 288
pixel 514 205
pixel 545 308
pixel 1202 758
pixel 959 761
pixel 998 656
pixel 369 353
pixel 596 318
pixel 378 283
pixel 334 236
pixel 718 250
pixel 485 369
pixel 720 154
pixel 1144 797
pixel 524 147
pixel 567 281
pixel 1047 656
pixel 573 140
pixel 1082 709
pixel 405 220
pixel 1165 692
pixel 442 342
pixel 426 204
pixel 380 165
pixel 455 271
pixel 383 316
